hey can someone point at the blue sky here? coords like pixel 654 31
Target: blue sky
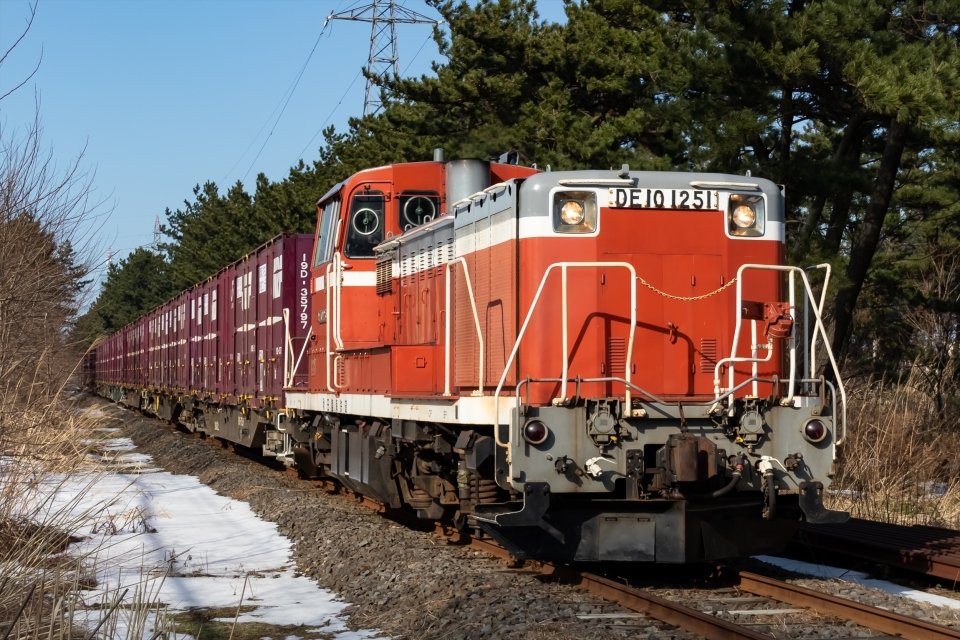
pixel 168 94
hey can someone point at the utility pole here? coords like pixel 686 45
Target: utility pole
pixel 383 16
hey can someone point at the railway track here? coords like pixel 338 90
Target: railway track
pixel 707 624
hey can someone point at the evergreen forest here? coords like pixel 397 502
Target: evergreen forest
pixel 852 105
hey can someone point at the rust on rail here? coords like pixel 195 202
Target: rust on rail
pixel 870 617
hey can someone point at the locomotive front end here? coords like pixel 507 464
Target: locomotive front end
pixel 670 393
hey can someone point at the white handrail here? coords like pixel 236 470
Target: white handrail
pixel 303 350
pixel 287 347
pixel 753 354
pixel 526 322
pixel 338 280
pixel 476 321
pixel 819 328
pixel 791 388
pixel 734 359
pixel 823 297
pixel 326 359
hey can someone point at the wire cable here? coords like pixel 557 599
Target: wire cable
pixel 355 78
pixel 273 128
pixel 289 91
pixel 302 151
pixel 404 72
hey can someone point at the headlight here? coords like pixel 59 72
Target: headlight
pixel 571 212
pixel 746 215
pixel 575 211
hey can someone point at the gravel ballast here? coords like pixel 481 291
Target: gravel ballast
pixel 412 584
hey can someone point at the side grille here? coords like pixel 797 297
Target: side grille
pixel 708 355
pixel 617 356
pixel 385 272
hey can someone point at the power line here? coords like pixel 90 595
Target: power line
pixel 404 72
pixel 296 82
pixel 355 78
pixel 289 91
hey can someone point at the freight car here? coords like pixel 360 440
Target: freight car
pixel 582 365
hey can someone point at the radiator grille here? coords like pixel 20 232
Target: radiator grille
pixel 385 273
pixel 617 356
pixel 708 355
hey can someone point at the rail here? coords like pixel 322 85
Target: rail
pixel 809 349
pixel 447 322
pixel 563 266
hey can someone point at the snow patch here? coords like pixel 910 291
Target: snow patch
pixel 826 572
pixel 177 539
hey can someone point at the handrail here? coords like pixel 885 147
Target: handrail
pixel 303 350
pixel 287 346
pixel 733 360
pixel 337 294
pixel 328 284
pixel 808 291
pixel 523 329
pixel 811 346
pixel 476 320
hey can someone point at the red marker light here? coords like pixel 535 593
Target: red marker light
pixel 814 431
pixel 535 432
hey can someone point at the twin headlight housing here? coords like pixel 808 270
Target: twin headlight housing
pixel 577 211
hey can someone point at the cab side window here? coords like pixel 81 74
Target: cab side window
pixel 325 231
pixel 365 224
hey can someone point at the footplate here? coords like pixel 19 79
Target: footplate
pixel 811 502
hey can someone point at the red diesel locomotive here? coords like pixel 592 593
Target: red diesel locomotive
pixel 583 365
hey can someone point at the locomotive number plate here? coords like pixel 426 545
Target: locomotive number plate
pixel 663 199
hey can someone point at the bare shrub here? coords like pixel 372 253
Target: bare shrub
pixel 47 219
pixel 899 463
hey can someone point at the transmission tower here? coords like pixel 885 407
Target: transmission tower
pixel 384 16
pixel 156 235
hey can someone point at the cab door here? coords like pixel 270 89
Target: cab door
pixel 322 340
pixel 363 224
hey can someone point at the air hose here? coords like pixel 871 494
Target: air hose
pixel 730 486
pixel 769 495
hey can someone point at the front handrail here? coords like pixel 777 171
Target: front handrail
pixel 476 321
pixel 523 329
pixel 819 330
pixel 809 348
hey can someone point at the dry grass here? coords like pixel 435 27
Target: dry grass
pixel 47 220
pixel 901 462
pixel 45 481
